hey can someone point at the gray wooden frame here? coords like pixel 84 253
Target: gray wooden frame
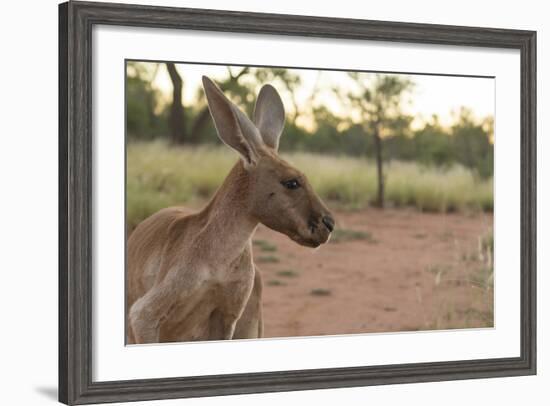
pixel 76 20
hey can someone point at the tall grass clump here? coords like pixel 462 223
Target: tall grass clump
pixel 437 189
pixel 160 175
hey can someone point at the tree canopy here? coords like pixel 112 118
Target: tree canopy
pixel 379 100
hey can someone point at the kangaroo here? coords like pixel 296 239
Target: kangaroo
pixel 191 276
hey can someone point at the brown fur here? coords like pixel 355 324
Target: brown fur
pixel 191 276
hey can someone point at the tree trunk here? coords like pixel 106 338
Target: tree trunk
pixel 177 118
pixel 379 170
pixel 198 125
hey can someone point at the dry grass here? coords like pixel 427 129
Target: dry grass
pixel 474 272
pixel 159 175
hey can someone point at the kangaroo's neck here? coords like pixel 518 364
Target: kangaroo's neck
pixel 228 225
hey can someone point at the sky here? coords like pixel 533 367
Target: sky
pixel 440 95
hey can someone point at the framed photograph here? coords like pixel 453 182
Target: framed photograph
pixel 260 202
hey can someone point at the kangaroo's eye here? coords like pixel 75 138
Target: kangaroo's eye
pixel 291 184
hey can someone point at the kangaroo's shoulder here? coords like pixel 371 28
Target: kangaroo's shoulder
pixel 155 228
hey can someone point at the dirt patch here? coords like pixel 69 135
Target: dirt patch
pixel 384 271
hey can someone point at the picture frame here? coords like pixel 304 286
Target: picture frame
pixel 76 256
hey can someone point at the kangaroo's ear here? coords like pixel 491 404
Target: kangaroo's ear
pixel 269 116
pixel 234 128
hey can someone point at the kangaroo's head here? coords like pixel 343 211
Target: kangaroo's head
pixel 279 195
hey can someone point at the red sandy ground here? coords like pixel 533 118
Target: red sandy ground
pixel 417 271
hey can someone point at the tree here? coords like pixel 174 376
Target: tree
pixel 177 116
pixel 379 103
pixel 473 142
pixel 142 100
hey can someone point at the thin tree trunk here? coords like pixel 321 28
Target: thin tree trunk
pixel 379 170
pixel 198 125
pixel 177 118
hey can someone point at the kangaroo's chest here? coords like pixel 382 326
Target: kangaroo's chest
pixel 229 285
pixel 221 288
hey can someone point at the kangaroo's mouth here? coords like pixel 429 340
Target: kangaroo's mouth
pixel 310 241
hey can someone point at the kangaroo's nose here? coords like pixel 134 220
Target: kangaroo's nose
pixel 328 221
